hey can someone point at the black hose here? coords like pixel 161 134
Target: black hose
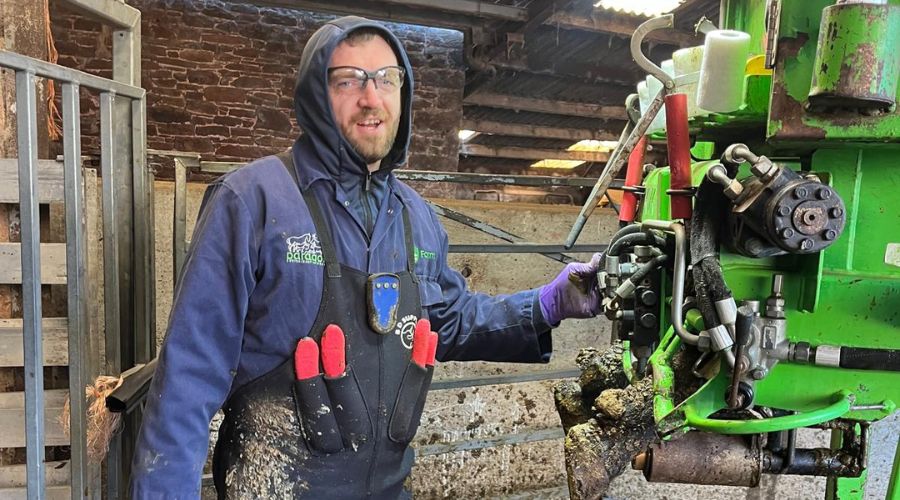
pixel 870 359
pixel 645 269
pixel 706 222
pixel 630 240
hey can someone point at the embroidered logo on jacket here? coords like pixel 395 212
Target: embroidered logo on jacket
pixel 304 249
pixel 405 329
pixel 419 253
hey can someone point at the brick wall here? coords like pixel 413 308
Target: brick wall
pixel 219 77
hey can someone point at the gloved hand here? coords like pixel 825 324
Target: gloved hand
pixel 573 293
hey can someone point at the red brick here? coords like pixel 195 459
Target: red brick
pixel 225 94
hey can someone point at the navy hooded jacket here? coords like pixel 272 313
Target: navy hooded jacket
pixel 246 294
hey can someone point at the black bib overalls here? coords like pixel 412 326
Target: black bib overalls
pixel 344 437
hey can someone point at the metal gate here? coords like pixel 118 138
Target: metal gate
pixel 128 273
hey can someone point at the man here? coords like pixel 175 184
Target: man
pixel 325 246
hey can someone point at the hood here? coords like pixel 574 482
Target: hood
pixel 313 106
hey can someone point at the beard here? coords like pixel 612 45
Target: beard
pixel 372 148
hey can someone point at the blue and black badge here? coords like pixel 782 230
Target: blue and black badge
pixel 383 291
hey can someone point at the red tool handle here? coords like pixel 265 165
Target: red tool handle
pixel 420 342
pixel 679 144
pixel 432 348
pixel 633 179
pixel 334 362
pixel 306 359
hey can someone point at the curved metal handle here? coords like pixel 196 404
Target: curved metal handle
pixel 839 407
pixel 661 22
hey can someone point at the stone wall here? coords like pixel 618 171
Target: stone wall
pixel 220 75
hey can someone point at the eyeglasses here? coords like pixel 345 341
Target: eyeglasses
pixel 350 80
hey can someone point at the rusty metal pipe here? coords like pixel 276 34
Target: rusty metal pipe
pixel 702 458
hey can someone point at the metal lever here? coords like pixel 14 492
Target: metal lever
pixel 666 21
pixel 742 326
pixel 632 132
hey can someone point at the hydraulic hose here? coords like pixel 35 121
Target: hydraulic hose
pixel 634 239
pixel 870 359
pixel 678 279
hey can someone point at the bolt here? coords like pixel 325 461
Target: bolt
pixel 786 233
pixel 830 234
pixel 836 212
pixel 648 320
pixel 754 246
pixel 823 193
pixel 758 373
pixel 800 193
pixel 783 210
pixel 806 244
pixel 648 297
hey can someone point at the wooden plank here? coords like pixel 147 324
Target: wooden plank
pixel 567 108
pixel 524 130
pixel 13 476
pixel 12 419
pixel 53 263
pixel 50 175
pixel 56 352
pixel 50 493
pixel 618 25
pixel 531 154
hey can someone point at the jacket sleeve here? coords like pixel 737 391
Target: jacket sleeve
pixel 201 351
pixel 477 326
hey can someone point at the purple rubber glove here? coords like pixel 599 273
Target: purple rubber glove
pixel 573 293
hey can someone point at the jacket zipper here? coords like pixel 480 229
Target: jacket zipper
pixel 368 211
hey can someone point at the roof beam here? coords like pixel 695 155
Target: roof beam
pixel 461 14
pixel 522 130
pixel 566 108
pixel 396 12
pixel 616 25
pixel 531 153
pixel 477 8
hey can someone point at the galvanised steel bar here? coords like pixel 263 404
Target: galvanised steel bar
pixel 179 224
pixel 110 271
pixel 26 124
pixel 525 248
pixel 488 229
pixel 44 69
pixel 110 239
pixel 76 286
pixel 144 336
pixel 510 180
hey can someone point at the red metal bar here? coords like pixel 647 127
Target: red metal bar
pixel 633 177
pixel 679 143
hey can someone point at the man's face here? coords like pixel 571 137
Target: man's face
pixel 368 117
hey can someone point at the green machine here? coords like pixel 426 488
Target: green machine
pixel 757 289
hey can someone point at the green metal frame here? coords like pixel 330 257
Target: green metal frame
pixel 844 296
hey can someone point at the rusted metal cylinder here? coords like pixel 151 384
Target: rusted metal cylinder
pixel 702 458
pixel 857 63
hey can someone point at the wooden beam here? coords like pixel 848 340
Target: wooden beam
pixel 56 352
pixel 12 419
pixel 460 14
pixel 13 476
pixel 531 153
pixel 566 108
pixel 616 25
pixel 397 11
pixel 50 181
pixel 53 263
pixel 524 130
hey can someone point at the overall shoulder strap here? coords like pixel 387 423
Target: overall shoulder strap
pixel 329 255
